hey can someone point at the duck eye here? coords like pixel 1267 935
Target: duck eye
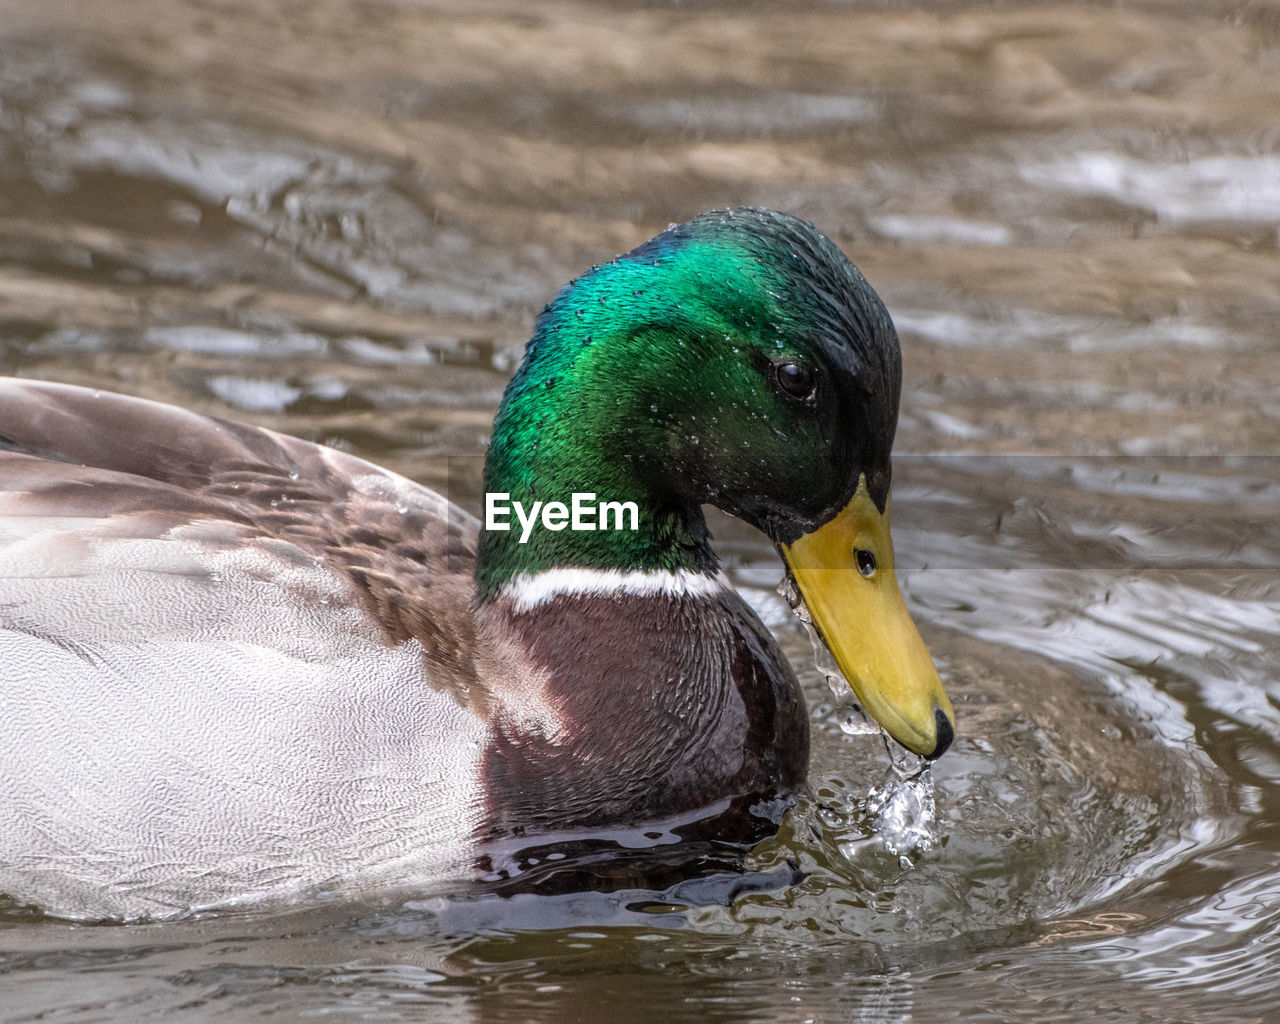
pixel 793 379
pixel 866 562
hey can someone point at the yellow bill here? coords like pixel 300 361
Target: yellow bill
pixel 845 573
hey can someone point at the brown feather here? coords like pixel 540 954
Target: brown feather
pixel 142 469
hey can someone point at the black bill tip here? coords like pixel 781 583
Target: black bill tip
pixel 946 733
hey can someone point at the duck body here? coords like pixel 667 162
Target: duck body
pixel 237 667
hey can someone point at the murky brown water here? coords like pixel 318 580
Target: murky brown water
pixel 338 218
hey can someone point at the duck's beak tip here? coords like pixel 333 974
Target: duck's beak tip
pixel 946 733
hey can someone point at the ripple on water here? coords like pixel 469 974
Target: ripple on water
pixel 1226 187
pixel 1102 709
pixel 1045 807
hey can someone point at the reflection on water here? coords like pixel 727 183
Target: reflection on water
pixel 1220 188
pixel 339 219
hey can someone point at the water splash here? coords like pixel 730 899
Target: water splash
pixel 903 804
pixel 905 814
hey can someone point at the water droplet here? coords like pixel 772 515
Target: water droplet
pixel 790 593
pixel 849 715
pixel 853 721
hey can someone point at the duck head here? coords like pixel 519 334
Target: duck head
pixel 738 360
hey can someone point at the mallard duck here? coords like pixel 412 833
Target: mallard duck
pixel 238 667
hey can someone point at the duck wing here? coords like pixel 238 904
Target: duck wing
pixel 233 664
pixel 80 469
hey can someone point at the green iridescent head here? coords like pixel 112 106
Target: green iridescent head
pixel 738 360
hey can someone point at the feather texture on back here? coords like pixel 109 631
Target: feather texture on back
pixel 160 601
